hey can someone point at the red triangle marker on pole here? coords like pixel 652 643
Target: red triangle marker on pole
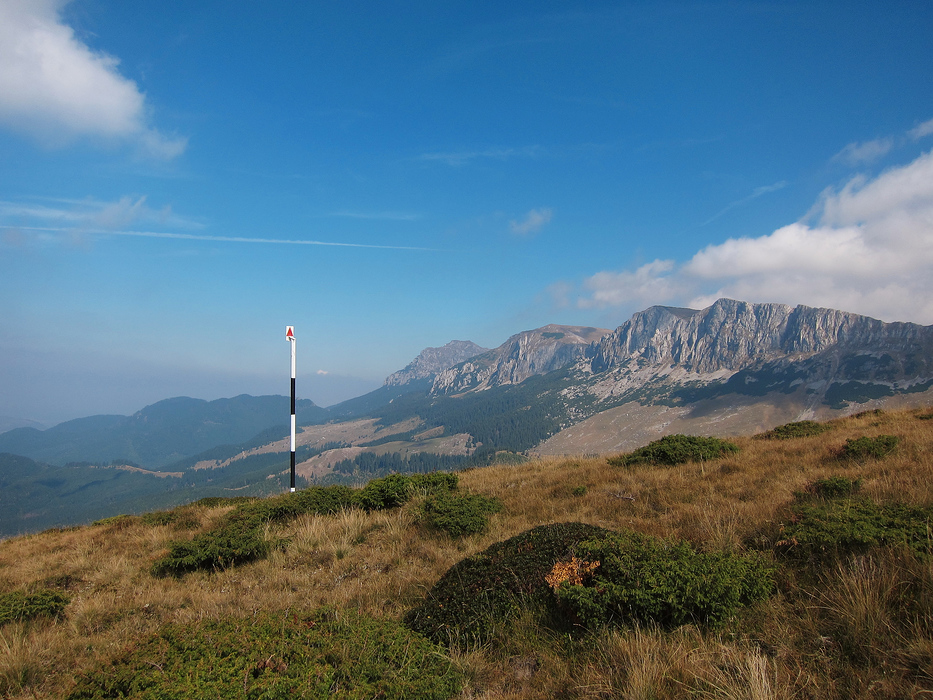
pixel 289 332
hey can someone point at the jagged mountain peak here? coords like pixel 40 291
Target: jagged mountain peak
pixel 432 361
pixel 524 355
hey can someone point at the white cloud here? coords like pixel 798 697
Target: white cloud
pixel 871 252
pixel 56 88
pixel 922 130
pixel 534 220
pixel 868 152
pixel 645 285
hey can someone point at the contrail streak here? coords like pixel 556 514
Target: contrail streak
pixel 214 239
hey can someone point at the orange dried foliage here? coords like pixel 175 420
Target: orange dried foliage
pixel 576 571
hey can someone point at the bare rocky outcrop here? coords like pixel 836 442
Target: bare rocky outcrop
pixel 432 361
pixel 524 355
pixel 733 335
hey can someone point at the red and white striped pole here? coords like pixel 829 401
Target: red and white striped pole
pixel 290 336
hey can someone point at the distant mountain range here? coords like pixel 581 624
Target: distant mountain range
pixel 160 434
pixel 732 368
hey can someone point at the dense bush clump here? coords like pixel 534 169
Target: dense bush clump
pixel 643 579
pixel 459 515
pixel 277 656
pixel 676 449
pixel 491 587
pixel 869 448
pixel 238 538
pixel 839 526
pixel 799 429
pixel 832 487
pixel 18 606
pixel 395 490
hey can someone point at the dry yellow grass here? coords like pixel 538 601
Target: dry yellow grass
pixel 382 563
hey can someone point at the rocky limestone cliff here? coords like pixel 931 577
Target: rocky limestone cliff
pixel 522 356
pixel 432 361
pixel 802 344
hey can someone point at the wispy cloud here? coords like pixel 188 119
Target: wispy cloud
pixel 870 251
pixel 92 213
pixel 867 152
pixel 533 221
pixel 55 87
pixel 921 130
pixel 756 193
pixel 378 216
pixel 459 158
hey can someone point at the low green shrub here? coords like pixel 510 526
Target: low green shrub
pixel 18 606
pixel 676 449
pixel 491 587
pixel 639 579
pixel 799 429
pixel 218 501
pixel 117 521
pixel 820 530
pixel 869 448
pixel 832 487
pixel 277 656
pixel 459 514
pixel 388 492
pixel 395 490
pixel 238 537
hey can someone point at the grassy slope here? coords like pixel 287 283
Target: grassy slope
pixel 844 635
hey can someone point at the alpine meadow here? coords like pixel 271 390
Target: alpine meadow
pixel 790 563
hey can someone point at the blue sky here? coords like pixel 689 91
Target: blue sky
pixel 181 180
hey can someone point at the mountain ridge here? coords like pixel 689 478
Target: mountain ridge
pixel 432 361
pixel 526 354
pixel 159 434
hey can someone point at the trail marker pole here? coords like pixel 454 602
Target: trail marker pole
pixel 290 337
